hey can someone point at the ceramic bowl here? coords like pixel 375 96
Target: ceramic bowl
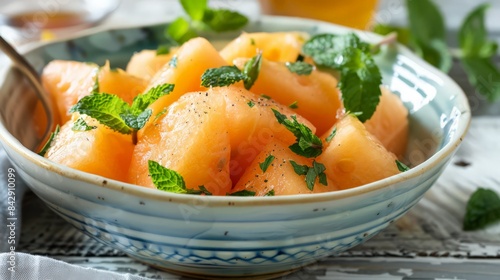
pixel 235 236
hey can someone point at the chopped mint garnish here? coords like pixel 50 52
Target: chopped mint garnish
pixel 300 68
pixel 81 125
pixel 47 145
pixel 307 143
pixel 264 165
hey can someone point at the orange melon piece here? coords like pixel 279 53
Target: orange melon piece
pixel 280 175
pixel 119 82
pixel 99 151
pixel 146 63
pixel 193 58
pixel 190 138
pixel 354 156
pixel 279 46
pixel 316 95
pixel 252 126
pixel 389 123
pixel 68 82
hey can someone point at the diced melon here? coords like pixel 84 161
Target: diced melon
pixel 99 151
pixel 316 95
pixel 252 124
pixel 279 46
pixel 67 82
pixel 191 60
pixel 192 139
pixel 390 123
pixel 121 83
pixel 280 175
pixel 146 63
pixel 355 157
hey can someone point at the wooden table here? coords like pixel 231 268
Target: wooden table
pixel 427 243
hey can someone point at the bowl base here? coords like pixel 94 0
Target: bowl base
pixel 273 275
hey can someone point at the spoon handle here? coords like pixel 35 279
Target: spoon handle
pixel 25 67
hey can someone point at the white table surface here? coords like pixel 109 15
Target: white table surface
pixel 427 243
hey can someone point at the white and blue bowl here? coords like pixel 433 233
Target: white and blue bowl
pixel 235 236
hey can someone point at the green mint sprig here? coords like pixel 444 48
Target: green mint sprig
pixel 228 75
pixel 300 68
pixel 483 208
pixel 47 145
pixel 477 52
pixel 426 35
pixel 307 143
pixel 360 78
pixel 113 112
pixel 81 125
pixel 202 18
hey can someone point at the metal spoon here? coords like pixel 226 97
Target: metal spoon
pixel 27 70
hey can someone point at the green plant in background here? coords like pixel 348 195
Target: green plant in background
pixel 426 35
pixel 200 18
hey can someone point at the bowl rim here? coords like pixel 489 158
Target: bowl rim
pixel 155 195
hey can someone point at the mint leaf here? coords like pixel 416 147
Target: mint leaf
pixel 477 53
pixel 483 208
pixel 332 134
pixel 138 114
pixel 202 190
pixel 401 166
pixel 221 20
pixel 251 70
pixel 360 78
pixel 95 87
pixel 300 68
pixel 142 101
pixel 473 36
pixel 222 76
pixel 228 75
pixel 270 193
pixel 307 143
pixel 166 179
pixel 403 33
pixel 299 169
pixel 483 75
pixel 360 84
pixel 316 171
pixel 81 125
pixel 250 103
pixel 429 33
pixel 323 47
pixel 180 31
pixel 194 8
pixel 163 49
pixel 106 109
pixel 264 165
pixel 243 193
pixel 137 122
pixel 47 145
pixel 265 96
pixel 294 105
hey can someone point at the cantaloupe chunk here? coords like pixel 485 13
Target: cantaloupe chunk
pixel 99 151
pixel 146 63
pixel 252 124
pixel 389 123
pixel 191 60
pixel 192 139
pixel 279 46
pixel 280 175
pixel 67 82
pixel 316 95
pixel 121 83
pixel 355 157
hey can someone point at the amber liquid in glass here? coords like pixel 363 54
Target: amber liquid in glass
pixel 42 20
